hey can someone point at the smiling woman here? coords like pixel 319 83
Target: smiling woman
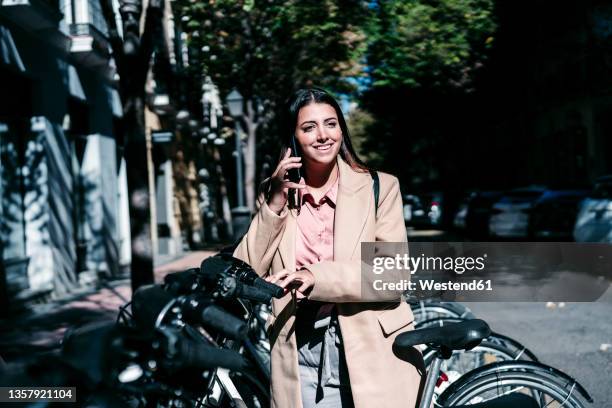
pixel 331 346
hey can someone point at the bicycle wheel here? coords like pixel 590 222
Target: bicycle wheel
pixel 431 309
pixel 255 393
pixel 546 385
pixel 462 362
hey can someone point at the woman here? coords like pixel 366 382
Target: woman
pixel 330 347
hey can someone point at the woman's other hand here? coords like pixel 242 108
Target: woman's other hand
pixel 302 280
pixel 279 185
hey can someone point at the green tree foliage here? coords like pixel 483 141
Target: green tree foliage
pixel 424 57
pixel 430 43
pixel 266 49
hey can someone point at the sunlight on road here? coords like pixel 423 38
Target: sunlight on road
pixel 424 233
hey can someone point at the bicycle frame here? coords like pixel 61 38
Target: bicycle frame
pixel 224 386
pixel 430 382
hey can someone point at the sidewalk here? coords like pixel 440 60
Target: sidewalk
pixel 43 326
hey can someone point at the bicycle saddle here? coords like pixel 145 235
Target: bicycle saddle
pixel 456 336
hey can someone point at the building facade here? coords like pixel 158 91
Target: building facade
pixel 63 213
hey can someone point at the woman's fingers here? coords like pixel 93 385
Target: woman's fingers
pixel 290 184
pixel 291 164
pixel 291 159
pixel 277 276
pixel 303 278
pixel 288 279
pixel 286 164
pixel 305 286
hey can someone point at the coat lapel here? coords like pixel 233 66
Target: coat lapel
pixel 352 209
pixel 287 244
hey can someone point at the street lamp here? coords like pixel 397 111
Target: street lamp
pixel 241 214
pixel 234 103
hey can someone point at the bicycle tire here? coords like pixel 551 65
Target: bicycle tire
pixel 484 347
pixel 545 384
pixel 431 309
pixel 462 362
pixel 254 392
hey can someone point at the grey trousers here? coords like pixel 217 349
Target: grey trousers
pixel 323 373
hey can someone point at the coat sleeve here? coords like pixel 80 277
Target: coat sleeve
pixel 258 245
pixel 350 281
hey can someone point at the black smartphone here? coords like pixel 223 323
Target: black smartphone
pixel 294 175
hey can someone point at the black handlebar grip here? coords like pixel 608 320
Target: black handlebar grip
pixel 241 271
pixel 206 357
pixel 252 293
pixel 224 322
pixel 274 290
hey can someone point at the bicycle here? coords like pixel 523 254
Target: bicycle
pixel 504 384
pixel 185 343
pixel 496 347
pixel 429 309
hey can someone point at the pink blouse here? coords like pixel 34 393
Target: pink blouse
pixel 315 228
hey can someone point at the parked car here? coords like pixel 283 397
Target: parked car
pixel 594 220
pixel 553 215
pixel 510 215
pixel 474 213
pixel 414 213
pixel 459 220
pixel 433 205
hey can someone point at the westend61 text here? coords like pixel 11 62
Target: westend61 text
pixel 429 285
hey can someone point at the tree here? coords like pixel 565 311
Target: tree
pixel 430 44
pixel 424 57
pixel 132 53
pixel 267 49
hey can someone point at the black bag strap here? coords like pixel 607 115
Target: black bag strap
pixel 376 188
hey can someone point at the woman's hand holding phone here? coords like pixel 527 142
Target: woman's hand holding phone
pixel 280 185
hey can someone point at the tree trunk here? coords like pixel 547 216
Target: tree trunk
pixel 225 206
pixel 249 155
pixel 132 53
pixel 138 191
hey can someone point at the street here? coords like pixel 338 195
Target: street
pixel 573 337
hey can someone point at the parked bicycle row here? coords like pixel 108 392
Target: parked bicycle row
pixel 535 212
pixel 199 340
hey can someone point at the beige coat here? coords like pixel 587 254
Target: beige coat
pixel 378 378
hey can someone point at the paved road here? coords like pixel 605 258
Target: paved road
pixel 576 338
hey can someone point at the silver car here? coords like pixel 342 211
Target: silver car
pixel 510 215
pixel 594 221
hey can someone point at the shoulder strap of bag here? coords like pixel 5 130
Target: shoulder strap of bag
pixel 376 188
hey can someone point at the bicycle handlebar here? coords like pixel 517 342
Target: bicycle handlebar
pixel 224 263
pixel 202 356
pixel 217 319
pixel 149 302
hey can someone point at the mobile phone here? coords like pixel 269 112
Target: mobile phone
pixel 294 175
